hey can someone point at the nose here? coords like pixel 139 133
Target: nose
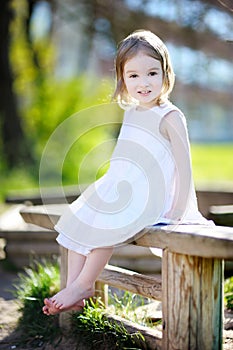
pixel 143 81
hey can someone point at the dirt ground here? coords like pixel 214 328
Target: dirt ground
pixel 9 314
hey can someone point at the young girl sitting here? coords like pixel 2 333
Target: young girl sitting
pixel 149 180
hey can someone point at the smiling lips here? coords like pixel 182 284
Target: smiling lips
pixel 144 93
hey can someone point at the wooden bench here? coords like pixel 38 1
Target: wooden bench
pixel 221 214
pixel 192 278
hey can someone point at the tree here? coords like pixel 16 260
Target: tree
pixel 14 146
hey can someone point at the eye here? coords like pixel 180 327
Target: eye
pixel 133 76
pixel 153 73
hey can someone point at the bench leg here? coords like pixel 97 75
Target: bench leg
pixel 192 303
pixel 101 292
pixel 64 317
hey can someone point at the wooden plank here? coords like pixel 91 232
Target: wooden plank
pixel 192 302
pixel 44 216
pixel 147 286
pixel 195 240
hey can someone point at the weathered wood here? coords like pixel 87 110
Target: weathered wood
pixel 192 302
pixel 146 286
pixel 44 216
pixel 64 317
pixel 101 292
pixel 192 274
pixel 195 240
pixel 23 246
pixel 63 266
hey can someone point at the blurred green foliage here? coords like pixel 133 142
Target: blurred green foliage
pixel 79 153
pixel 46 100
pixel 228 290
pixel 212 163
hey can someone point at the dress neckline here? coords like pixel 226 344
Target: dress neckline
pixel 163 105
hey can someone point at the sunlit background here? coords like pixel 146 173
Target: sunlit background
pixel 61 61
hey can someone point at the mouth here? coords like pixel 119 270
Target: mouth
pixel 144 92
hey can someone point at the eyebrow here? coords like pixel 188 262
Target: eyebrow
pixel 133 71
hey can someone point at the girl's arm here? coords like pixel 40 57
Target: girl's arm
pixel 174 129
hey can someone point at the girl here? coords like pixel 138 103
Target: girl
pixel 149 180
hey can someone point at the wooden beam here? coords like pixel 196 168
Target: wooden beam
pixel 147 286
pixel 192 286
pixel 43 216
pixel 195 240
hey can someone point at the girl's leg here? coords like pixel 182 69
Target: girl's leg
pixel 83 286
pixel 75 264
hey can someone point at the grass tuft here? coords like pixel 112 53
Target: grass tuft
pixel 40 280
pixel 97 328
pixel 125 306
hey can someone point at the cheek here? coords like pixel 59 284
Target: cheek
pixel 127 84
pixel 160 82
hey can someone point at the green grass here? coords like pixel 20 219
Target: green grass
pixel 17 179
pixel 38 281
pixel 212 163
pixel 125 306
pixel 95 327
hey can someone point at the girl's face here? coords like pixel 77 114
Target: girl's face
pixel 143 78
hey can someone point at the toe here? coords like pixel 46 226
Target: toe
pixel 57 305
pixel 47 302
pixel 45 310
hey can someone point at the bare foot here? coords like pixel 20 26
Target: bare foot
pixel 72 294
pixel 50 309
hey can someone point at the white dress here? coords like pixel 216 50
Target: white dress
pixel 137 190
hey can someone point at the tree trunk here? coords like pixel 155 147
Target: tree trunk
pixel 14 147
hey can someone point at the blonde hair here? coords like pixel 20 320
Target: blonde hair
pixel 151 45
